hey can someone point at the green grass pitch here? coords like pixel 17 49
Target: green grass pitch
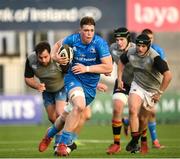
pixel 22 142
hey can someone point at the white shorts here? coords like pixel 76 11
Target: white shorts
pixel 120 96
pixel 148 104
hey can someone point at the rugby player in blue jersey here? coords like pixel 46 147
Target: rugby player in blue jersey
pixel 91 58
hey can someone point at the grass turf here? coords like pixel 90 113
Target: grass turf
pixel 22 142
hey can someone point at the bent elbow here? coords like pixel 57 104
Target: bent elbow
pixel 26 80
pixel 170 76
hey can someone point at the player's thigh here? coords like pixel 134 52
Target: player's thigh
pixel 76 96
pixel 60 101
pixel 118 107
pixel 136 97
pixel 60 104
pixel 134 103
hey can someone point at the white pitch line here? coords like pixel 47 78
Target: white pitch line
pixel 35 141
pixel 79 140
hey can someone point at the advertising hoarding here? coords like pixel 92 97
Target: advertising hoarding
pixel 26 109
pixel 59 14
pixel 160 16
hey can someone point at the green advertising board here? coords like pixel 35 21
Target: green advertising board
pixel 168 109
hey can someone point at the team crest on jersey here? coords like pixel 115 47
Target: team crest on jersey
pixel 92 50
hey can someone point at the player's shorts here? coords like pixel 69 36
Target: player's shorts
pixel 50 98
pixel 146 96
pixel 72 82
pixel 121 95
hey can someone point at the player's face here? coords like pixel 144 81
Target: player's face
pixel 44 58
pixel 87 33
pixel 141 49
pixel 122 42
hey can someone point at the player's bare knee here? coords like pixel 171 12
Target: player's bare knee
pixel 87 114
pixel 117 109
pixel 77 97
pixel 133 111
pixel 79 108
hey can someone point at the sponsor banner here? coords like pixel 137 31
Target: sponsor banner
pixel 59 14
pixel 160 16
pixel 20 109
pixel 168 109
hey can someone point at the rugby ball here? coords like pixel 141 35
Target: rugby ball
pixel 66 51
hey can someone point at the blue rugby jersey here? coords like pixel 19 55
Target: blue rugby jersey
pixel 159 50
pixel 87 54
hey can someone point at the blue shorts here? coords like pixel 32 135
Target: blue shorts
pixel 71 82
pixel 49 98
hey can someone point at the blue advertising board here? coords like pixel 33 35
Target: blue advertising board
pixel 26 109
pixel 59 14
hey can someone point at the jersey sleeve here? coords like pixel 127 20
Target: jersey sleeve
pixel 111 50
pixel 69 40
pixel 28 73
pixel 124 59
pixel 103 48
pixel 160 64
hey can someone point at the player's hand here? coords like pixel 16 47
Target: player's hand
pixel 79 68
pixel 62 60
pixel 156 97
pixel 41 87
pixel 102 87
pixel 120 85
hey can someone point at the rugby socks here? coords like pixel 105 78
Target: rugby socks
pixel 125 121
pixel 52 131
pixel 152 129
pixel 57 138
pixel 116 127
pixel 74 136
pixel 144 135
pixel 135 137
pixel 66 138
